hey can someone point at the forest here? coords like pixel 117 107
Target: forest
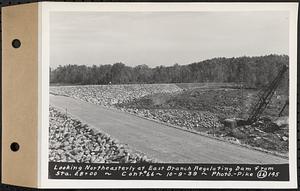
pixel 252 72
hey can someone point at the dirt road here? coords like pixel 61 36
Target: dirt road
pixel 167 144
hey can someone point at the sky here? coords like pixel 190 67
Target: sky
pixel 164 38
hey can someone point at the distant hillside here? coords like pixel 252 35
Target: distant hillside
pixel 253 72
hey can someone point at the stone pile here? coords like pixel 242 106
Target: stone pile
pixel 109 95
pixel 124 97
pixel 72 141
pixel 193 120
pixel 196 109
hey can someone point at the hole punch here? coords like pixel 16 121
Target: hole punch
pixel 15 147
pixel 16 43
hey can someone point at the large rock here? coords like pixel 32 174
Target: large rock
pixel 232 123
pixel 83 144
pixel 282 121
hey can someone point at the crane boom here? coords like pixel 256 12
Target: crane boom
pixel 265 96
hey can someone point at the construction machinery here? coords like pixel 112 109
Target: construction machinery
pixel 264 97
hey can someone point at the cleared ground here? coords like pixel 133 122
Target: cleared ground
pixel 203 110
pixel 159 141
pixel 200 107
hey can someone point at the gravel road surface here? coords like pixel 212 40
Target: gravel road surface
pixel 167 144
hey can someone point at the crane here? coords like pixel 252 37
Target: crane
pixel 284 106
pixel 265 96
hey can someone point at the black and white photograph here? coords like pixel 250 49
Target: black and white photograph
pixel 170 87
pixel 149 95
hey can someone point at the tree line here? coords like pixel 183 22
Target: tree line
pixel 252 72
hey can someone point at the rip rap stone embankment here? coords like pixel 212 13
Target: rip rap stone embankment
pixel 72 141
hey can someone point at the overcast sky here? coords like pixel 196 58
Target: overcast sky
pixel 164 38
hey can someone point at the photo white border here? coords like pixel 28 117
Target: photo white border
pixel 44 61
